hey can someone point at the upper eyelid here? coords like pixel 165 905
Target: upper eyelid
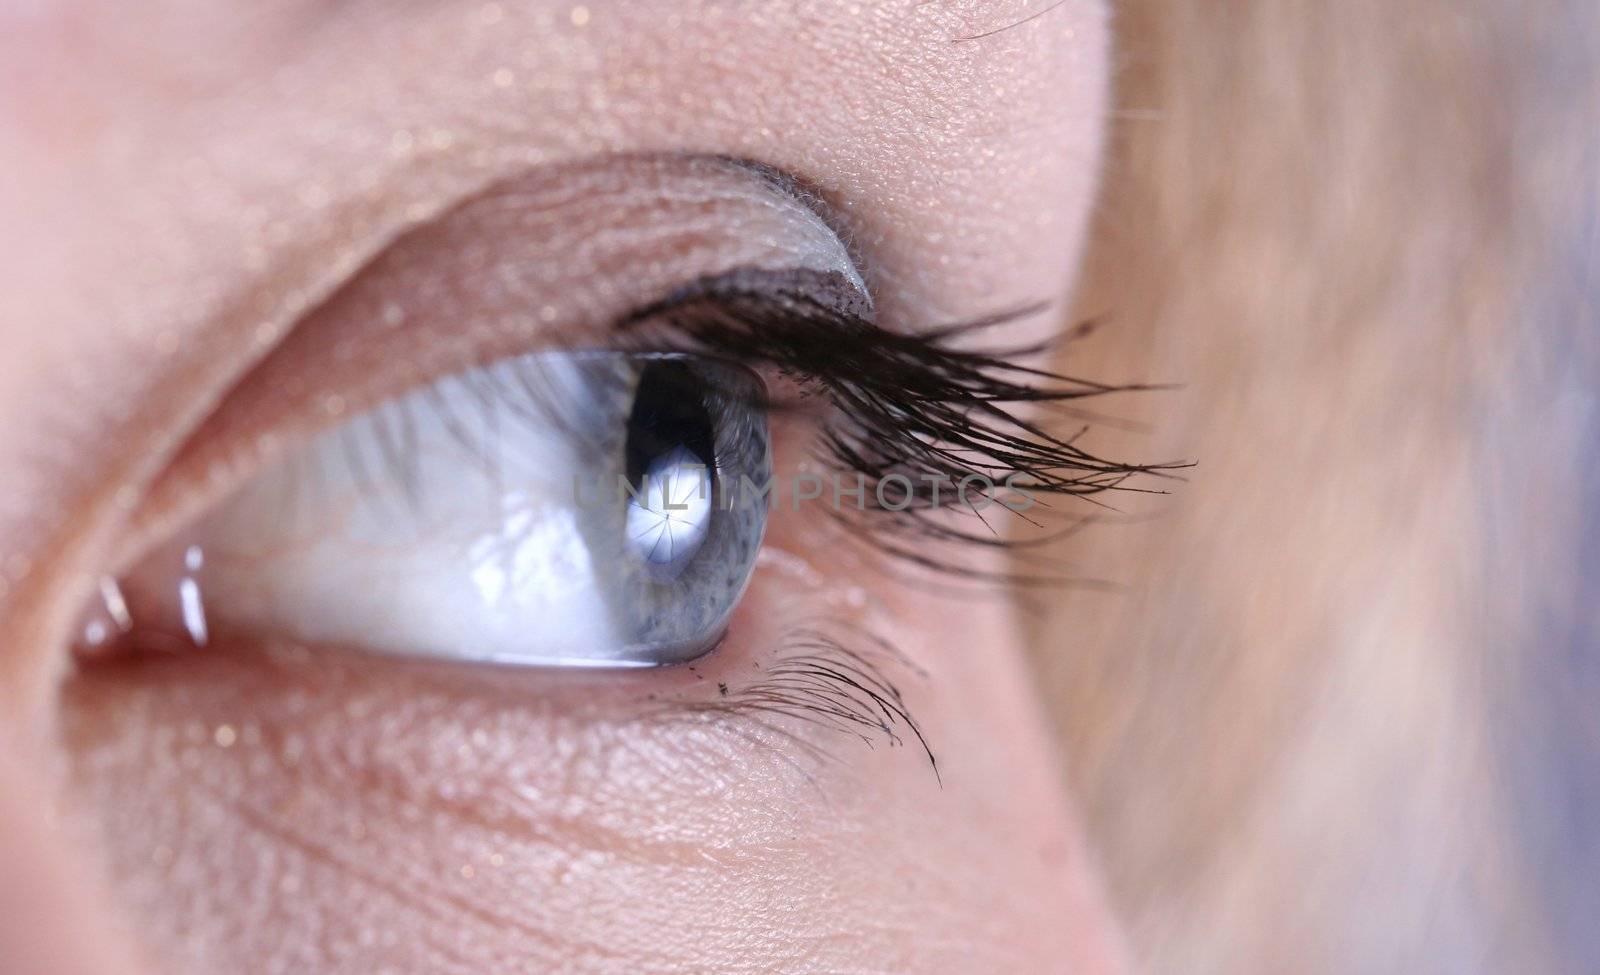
pixel 491 278
pixel 812 196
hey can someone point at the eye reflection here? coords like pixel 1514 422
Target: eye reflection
pixel 670 452
pixel 559 509
pixel 667 526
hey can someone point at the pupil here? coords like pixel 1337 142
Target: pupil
pixel 668 412
pixel 669 435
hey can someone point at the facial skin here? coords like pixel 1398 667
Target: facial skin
pixel 189 185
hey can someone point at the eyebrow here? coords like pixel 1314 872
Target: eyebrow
pixel 1030 18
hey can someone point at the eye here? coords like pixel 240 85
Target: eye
pixel 578 509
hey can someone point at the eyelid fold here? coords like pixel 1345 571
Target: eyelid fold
pixel 553 258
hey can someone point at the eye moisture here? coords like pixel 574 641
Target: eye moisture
pixel 444 525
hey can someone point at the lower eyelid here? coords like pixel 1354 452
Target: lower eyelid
pixel 805 664
pixel 452 800
pixel 397 793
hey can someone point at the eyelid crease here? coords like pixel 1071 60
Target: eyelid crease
pixel 550 259
pixel 814 198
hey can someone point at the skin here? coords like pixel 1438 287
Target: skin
pixel 187 188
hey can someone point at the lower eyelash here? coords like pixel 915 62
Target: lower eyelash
pixel 830 674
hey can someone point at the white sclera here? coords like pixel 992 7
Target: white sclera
pixel 442 526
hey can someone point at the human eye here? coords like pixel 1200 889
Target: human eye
pixel 575 509
pixel 605 507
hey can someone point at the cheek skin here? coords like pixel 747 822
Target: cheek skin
pixel 367 814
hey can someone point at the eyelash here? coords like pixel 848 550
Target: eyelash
pixel 913 406
pixel 836 681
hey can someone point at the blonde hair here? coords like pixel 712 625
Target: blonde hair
pixel 1345 716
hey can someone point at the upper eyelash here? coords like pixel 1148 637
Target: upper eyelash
pixel 914 405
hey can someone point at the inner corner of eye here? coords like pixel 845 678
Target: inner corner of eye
pixel 585 509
